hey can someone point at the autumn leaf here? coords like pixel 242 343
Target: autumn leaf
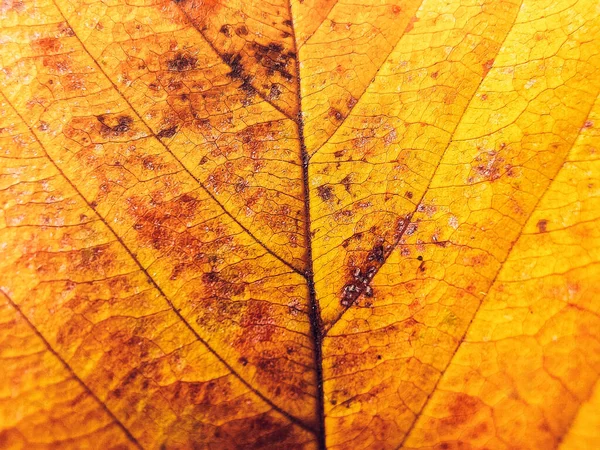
pixel 300 224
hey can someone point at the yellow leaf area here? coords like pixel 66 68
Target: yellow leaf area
pixel 299 224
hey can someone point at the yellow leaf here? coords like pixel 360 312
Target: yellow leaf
pixel 299 224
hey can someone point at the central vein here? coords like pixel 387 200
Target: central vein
pixel 314 312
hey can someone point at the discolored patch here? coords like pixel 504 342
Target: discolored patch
pixel 114 126
pixel 325 192
pixel 274 58
pixel 542 225
pixel 182 62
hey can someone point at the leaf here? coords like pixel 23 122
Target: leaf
pixel 299 224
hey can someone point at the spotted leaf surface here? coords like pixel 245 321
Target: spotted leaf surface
pixel 299 224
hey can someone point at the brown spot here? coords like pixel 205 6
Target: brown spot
pixel 411 228
pixel 346 182
pixel 411 24
pixel 434 75
pixel 226 30
pixel 151 162
pixel 241 31
pixel 354 237
pixel 542 225
pixel 237 68
pixel 181 63
pixel 336 114
pixel 274 92
pixel 273 58
pixel 167 132
pixel 428 209
pixel 114 125
pixel 360 276
pixel 325 192
pixel 65 30
pixel 396 10
pixel 376 254
pixel 352 101
pixel 343 216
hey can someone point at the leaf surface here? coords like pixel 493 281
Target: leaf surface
pixel 299 224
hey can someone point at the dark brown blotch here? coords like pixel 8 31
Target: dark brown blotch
pixel 114 125
pixel 181 63
pixel 325 192
pixel 336 114
pixel 167 132
pixel 274 92
pixel 226 30
pixel 235 63
pixel 346 182
pixel 542 225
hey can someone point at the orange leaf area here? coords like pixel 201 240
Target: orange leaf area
pixel 300 224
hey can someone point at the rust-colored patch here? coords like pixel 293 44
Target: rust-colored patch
pixel 487 66
pixel 462 408
pixel 47 45
pixel 57 64
pixel 163 226
pixel 258 324
pixel 411 24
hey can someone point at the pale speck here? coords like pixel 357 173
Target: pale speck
pixel 453 222
pixel 530 83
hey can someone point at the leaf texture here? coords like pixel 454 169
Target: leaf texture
pixel 299 224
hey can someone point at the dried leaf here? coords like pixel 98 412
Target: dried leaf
pixel 299 224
